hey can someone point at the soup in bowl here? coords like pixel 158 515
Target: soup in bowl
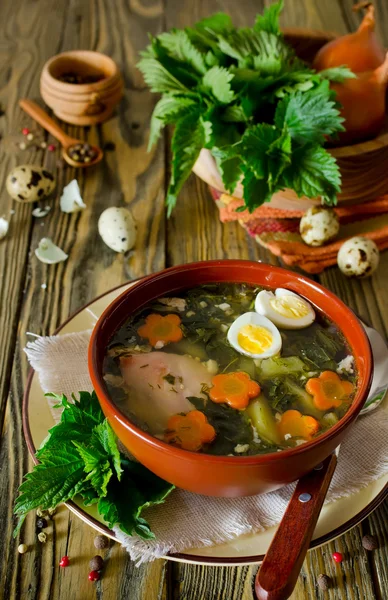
pixel 229 378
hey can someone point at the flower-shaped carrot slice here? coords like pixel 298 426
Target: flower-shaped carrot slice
pixel 235 389
pixel 161 329
pixel 328 390
pixel 295 424
pixel 189 431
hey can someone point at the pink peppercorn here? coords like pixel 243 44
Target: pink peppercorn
pixel 25 131
pixel 51 147
pixel 337 556
pixel 94 576
pixel 64 562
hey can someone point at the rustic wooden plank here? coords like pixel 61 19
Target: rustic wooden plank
pixel 128 176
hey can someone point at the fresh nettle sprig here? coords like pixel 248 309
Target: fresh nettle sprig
pixel 244 95
pixel 80 457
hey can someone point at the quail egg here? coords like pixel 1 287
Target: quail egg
pixel 117 228
pixel 253 335
pixel 358 257
pixel 29 183
pixel 318 226
pixel 285 308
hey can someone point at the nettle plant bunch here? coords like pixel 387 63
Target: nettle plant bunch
pixel 243 94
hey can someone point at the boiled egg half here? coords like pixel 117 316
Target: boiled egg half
pixel 284 308
pixel 255 336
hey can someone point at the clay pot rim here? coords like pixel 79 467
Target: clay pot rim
pixel 71 88
pixel 346 321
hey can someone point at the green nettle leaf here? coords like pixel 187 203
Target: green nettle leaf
pixel 217 81
pixel 256 142
pixel 313 173
pixel 309 116
pixel 108 440
pixel 216 23
pixel 337 74
pixel 269 20
pixel 229 167
pixel 187 142
pixel 256 191
pixel 178 44
pixel 158 78
pixel 234 114
pixel 211 59
pixel 167 110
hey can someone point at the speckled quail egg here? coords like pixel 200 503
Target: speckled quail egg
pixel 285 308
pixel 253 335
pixel 318 226
pixel 29 183
pixel 358 257
pixel 117 228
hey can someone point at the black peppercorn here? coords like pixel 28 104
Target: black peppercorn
pixel 324 582
pixel 96 563
pixel 41 523
pixel 369 542
pixel 101 542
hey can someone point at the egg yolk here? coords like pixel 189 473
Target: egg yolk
pixel 290 307
pixel 254 338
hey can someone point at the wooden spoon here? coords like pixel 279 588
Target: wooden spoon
pixel 41 117
pixel 281 566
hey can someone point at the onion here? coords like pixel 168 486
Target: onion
pixel 363 104
pixel 360 51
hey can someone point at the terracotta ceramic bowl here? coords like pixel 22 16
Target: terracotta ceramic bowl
pixel 82 103
pixel 224 475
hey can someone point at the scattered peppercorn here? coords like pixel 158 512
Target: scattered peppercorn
pixel 42 537
pixel 22 548
pixel 369 542
pixel 101 542
pixel 41 523
pixel 25 131
pixel 324 582
pixel 96 563
pixel 109 146
pixel 52 511
pixel 337 556
pixel 22 146
pixel 30 136
pixel 41 513
pixel 43 145
pixel 51 147
pixel 64 562
pixel 94 576
pixel 82 153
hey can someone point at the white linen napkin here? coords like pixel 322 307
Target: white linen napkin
pixel 188 520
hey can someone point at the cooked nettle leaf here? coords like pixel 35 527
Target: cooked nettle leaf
pixel 244 95
pixel 80 456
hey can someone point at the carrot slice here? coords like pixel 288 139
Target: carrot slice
pixel 189 431
pixel 158 328
pixel 328 390
pixel 235 389
pixel 295 424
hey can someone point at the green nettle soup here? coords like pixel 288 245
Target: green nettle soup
pixel 231 369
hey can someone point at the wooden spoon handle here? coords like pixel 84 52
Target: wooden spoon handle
pixel 37 113
pixel 280 569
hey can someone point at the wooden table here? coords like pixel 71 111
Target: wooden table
pixel 31 32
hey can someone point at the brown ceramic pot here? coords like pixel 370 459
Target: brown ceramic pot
pixel 224 475
pixel 82 103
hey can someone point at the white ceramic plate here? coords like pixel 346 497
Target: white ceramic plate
pixel 336 518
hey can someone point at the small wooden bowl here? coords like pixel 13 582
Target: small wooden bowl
pixel 82 103
pixel 363 166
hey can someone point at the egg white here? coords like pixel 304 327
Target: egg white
pixel 253 318
pixel 264 306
